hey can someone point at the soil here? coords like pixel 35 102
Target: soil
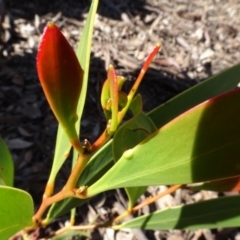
pixel 199 39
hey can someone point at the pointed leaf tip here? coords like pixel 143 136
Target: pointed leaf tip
pixel 61 77
pixel 51 24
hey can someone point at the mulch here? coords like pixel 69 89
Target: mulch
pixel 199 39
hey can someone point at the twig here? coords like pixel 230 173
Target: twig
pixel 146 202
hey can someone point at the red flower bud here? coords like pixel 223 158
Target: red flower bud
pixel 61 78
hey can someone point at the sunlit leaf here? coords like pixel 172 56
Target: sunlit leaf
pixel 214 86
pixel 83 54
pixel 216 213
pixel 186 150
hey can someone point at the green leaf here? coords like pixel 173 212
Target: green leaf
pixel 212 87
pixel 136 105
pixel 97 166
pixel 131 133
pixel 216 213
pixel 62 150
pixel 134 193
pixel 63 146
pixel 16 211
pixel 186 150
pixel 73 210
pixel 105 99
pixel 128 136
pixel 6 165
pixel 83 54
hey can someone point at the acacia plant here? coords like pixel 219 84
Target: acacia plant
pixel 193 138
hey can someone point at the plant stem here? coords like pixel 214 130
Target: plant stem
pixel 53 199
pixel 146 202
pixel 83 160
pixel 138 81
pixel 68 190
pixel 113 87
pixel 48 190
pixel 77 145
pixel 77 170
pixel 101 141
pixel 74 228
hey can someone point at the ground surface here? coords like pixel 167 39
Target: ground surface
pixel 199 39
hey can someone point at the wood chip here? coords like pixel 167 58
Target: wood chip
pixel 17 143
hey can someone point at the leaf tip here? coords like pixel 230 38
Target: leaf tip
pixel 110 67
pixel 158 45
pixel 51 24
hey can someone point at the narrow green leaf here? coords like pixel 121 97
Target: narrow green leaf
pixel 136 105
pixel 16 211
pixel 216 213
pixel 6 165
pixel 62 150
pixel 183 151
pixel 134 193
pixel 212 87
pixel 97 166
pixel 73 210
pixel 83 54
